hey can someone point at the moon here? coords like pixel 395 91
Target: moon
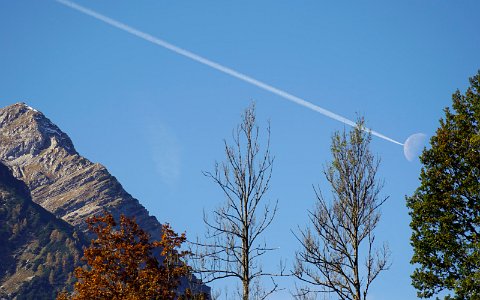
pixel 414 145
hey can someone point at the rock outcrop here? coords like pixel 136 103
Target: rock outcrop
pixel 59 178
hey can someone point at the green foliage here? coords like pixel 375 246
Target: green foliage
pixel 445 209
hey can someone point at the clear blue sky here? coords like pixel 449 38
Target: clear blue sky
pixel 156 120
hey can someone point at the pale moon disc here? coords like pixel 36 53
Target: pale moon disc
pixel 414 145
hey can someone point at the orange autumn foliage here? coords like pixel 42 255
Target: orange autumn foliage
pixel 120 263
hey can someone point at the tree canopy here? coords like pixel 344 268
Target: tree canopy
pixel 120 263
pixel 445 209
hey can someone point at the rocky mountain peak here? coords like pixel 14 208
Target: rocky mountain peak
pixel 30 131
pixel 60 179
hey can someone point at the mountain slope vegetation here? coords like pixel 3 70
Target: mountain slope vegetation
pixel 38 251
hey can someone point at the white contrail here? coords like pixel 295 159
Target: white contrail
pixel 217 66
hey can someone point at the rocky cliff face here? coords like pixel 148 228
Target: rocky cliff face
pixel 60 179
pixel 38 252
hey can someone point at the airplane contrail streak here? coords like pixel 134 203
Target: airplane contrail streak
pixel 217 66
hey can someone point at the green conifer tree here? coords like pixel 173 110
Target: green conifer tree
pixel 445 209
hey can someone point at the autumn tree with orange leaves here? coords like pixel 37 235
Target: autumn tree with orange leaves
pixel 120 263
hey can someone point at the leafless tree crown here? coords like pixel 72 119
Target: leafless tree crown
pixel 342 237
pixel 233 245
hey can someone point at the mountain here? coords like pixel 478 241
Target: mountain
pixel 62 182
pixel 38 251
pixel 59 178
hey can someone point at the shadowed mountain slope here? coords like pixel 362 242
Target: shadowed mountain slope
pixel 38 251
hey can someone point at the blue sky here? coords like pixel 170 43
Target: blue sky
pixel 156 120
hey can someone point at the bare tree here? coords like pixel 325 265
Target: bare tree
pixel 233 245
pixel 330 260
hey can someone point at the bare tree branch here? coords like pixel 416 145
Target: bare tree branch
pixel 232 247
pixel 329 260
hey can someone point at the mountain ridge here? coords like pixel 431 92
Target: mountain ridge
pixel 59 178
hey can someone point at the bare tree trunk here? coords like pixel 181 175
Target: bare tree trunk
pixel 357 295
pixel 246 289
pixel 245 256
